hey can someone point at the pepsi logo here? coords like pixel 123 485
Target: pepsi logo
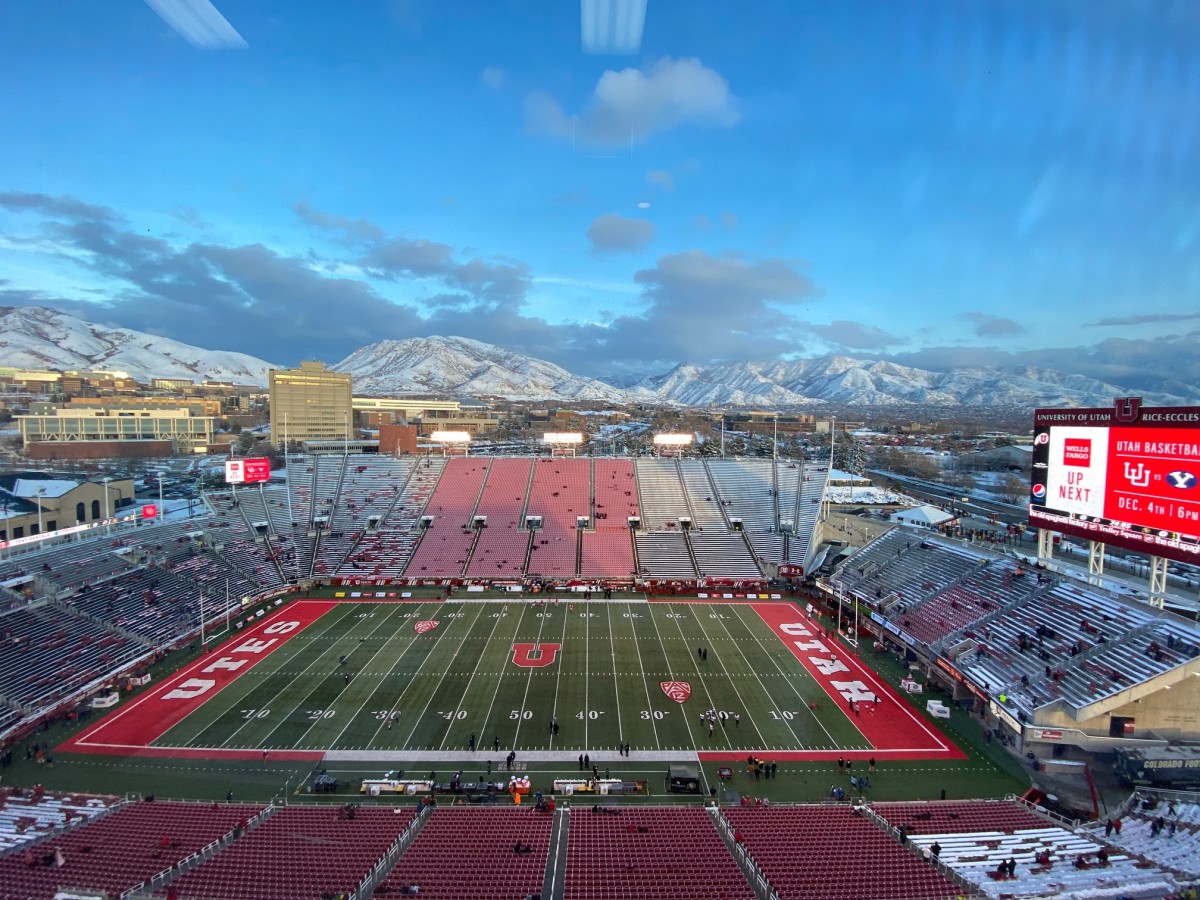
pixel 1039 492
pixel 1180 480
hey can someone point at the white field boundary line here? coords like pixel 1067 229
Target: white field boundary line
pixel 178 677
pixel 804 671
pixel 863 672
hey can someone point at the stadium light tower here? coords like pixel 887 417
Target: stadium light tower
pixel 673 443
pixel 41 495
pixel 564 441
pixel 449 439
pixel 107 525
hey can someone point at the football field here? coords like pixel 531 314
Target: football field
pixel 551 679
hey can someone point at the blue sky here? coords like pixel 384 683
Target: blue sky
pixel 935 183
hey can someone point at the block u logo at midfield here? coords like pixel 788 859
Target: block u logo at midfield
pixel 534 656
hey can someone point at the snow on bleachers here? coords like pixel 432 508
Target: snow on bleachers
pixel 467 854
pixel 830 853
pixel 1176 848
pixel 299 852
pixel 28 817
pixel 663 501
pixel 635 853
pixel 664 554
pixel 976 856
pixel 121 850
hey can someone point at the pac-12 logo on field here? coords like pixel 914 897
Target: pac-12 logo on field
pixel 534 656
pixel 678 691
pixel 427 625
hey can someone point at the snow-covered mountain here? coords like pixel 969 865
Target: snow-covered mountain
pixel 33 337
pixel 463 367
pixel 844 380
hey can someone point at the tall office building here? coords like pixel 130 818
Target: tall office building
pixel 310 403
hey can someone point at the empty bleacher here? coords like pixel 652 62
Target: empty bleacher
pixel 299 853
pixel 637 853
pixel 446 541
pixel 503 542
pixel 830 853
pixel 467 854
pixel 561 495
pixel 120 850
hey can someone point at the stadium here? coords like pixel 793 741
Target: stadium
pixel 557 670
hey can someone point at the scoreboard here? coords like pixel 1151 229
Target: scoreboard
pixel 1128 476
pixel 250 470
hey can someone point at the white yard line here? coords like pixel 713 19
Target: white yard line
pixel 812 713
pixel 449 665
pixel 467 690
pixel 379 684
pixel 316 686
pixel 645 683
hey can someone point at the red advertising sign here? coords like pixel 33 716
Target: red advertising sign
pixel 247 471
pixel 257 468
pixel 149 511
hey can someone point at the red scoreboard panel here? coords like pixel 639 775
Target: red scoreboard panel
pixel 1128 476
pixel 247 471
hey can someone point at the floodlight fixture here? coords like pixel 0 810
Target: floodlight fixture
pixel 562 437
pixel 450 437
pixel 674 440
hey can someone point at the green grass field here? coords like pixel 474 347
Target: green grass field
pixel 459 679
pixel 432 691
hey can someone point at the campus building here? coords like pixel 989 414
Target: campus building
pixel 310 403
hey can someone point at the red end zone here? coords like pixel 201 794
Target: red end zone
pixel 891 726
pixel 130 730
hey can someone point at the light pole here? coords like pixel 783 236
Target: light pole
pixel 775 437
pixel 41 494
pixel 107 523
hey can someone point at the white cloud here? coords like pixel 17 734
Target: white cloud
pixel 661 178
pixel 199 23
pixel 492 77
pixel 633 104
